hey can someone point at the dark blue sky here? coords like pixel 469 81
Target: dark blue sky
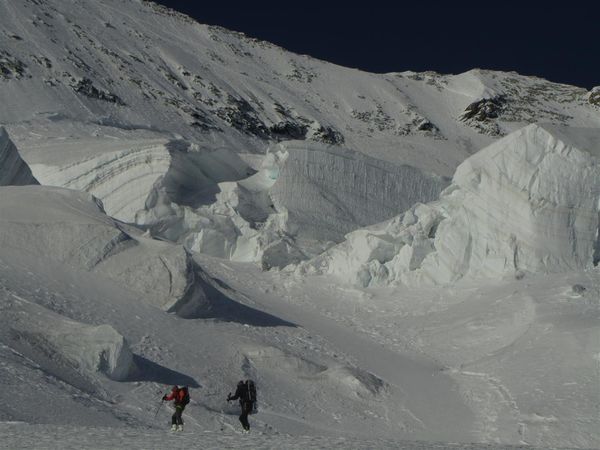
pixel 560 43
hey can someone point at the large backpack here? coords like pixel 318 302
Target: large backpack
pixel 186 395
pixel 251 394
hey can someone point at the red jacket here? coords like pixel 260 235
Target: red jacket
pixel 177 395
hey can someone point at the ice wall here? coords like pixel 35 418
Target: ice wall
pixel 125 174
pixel 303 199
pixel 527 203
pixel 329 191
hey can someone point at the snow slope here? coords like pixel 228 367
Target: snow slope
pixel 304 388
pixel 523 353
pixel 71 227
pixel 180 161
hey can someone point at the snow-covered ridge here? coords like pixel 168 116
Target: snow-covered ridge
pixel 196 96
pixel 134 66
pixel 527 203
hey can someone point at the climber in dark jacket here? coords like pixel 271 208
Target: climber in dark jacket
pixel 242 393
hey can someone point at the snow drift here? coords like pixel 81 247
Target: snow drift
pixel 86 349
pixel 527 203
pixel 71 227
pixel 13 170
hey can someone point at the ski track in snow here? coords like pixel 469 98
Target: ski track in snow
pixel 18 436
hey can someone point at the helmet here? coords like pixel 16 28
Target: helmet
pixel 241 383
pixel 175 388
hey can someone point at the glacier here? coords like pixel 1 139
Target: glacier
pixel 406 258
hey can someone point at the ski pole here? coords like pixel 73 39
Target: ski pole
pixel 157 409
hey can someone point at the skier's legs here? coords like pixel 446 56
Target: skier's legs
pixel 177 415
pixel 246 409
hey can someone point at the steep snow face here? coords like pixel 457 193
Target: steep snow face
pixel 328 191
pixel 529 202
pixel 71 227
pixel 84 349
pixel 13 170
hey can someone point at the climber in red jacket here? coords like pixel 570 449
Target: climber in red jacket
pixel 180 397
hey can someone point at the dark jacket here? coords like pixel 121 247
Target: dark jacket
pixel 242 393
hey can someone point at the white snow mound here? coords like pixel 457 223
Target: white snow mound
pixel 527 203
pixel 71 227
pixel 87 349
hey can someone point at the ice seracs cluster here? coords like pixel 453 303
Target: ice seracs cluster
pixel 527 203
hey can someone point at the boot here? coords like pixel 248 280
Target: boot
pixel 179 427
pixel 173 427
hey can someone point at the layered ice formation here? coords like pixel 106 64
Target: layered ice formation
pixel 527 203
pixel 125 174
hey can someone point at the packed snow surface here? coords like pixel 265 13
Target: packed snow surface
pixel 20 436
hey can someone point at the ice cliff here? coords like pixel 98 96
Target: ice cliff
pixel 527 203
